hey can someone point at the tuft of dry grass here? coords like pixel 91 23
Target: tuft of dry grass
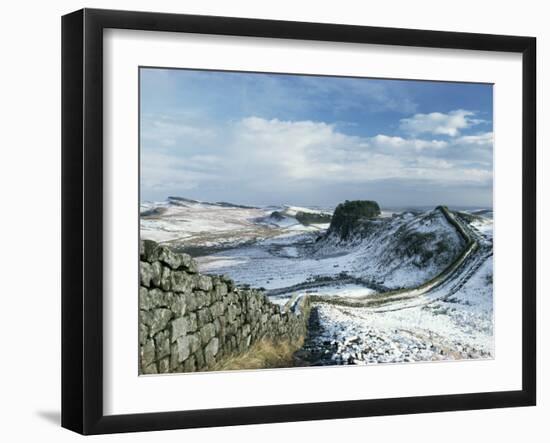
pixel 262 355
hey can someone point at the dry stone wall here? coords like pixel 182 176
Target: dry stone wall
pixel 189 321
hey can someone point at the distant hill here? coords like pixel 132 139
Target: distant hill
pixel 179 201
pixel 398 251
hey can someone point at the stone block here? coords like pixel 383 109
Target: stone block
pixel 145 273
pixel 164 365
pixel 191 301
pixel 232 313
pixel 170 258
pixel 221 289
pixel 150 369
pixel 192 322
pixel 150 250
pixel 198 298
pixel 207 332
pixel 181 281
pixel 166 279
pixel 159 298
pixel 204 282
pixel 144 298
pixel 194 342
pixel 204 316
pixel 179 305
pixel 210 351
pixel 143 333
pixel 182 349
pixel 190 365
pixel 217 309
pixel 156 273
pixel 179 328
pixel 199 359
pixel 147 352
pixel 162 343
pixel 159 320
pixel 189 264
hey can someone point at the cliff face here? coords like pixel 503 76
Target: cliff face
pixel 349 214
pixel 189 321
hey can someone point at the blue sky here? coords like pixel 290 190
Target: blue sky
pixel 272 139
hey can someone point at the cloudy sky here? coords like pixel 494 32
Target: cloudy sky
pixel 308 140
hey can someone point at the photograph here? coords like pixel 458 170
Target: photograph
pixel 300 220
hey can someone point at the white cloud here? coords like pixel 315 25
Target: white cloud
pixel 384 142
pixel 438 123
pixel 483 140
pixel 166 130
pixel 165 172
pixel 259 154
pixel 306 150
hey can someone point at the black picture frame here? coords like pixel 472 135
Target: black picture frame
pixel 82 220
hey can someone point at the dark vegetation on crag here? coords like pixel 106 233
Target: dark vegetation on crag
pixel 348 215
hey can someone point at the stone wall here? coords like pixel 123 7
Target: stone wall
pixel 189 321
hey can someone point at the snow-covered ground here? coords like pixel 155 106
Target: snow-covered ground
pixel 182 223
pixel 458 327
pixel 188 222
pixel 398 252
pixel 267 247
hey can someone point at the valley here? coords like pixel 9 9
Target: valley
pixel 391 286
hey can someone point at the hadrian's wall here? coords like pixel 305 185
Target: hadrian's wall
pixel 189 321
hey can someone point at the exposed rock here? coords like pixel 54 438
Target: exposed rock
pixel 182 349
pixel 170 258
pixel 199 359
pixel 145 273
pixel 179 306
pixel 143 333
pixel 156 298
pixel 144 299
pixel 150 369
pixel 180 326
pixel 192 324
pixel 204 316
pixel 182 281
pixel 204 282
pixel 194 342
pixel 217 309
pixel 162 343
pixel 348 214
pixel 148 353
pixel 165 279
pixel 159 320
pixel 211 350
pixel 156 273
pixel 164 365
pixel 151 250
pixel 190 365
pixel 207 332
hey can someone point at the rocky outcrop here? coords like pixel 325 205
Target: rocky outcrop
pixel 189 321
pixel 348 215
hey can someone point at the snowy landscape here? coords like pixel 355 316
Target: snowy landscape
pixel 369 200
pixel 405 285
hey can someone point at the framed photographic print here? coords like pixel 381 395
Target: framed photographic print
pixel 269 221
